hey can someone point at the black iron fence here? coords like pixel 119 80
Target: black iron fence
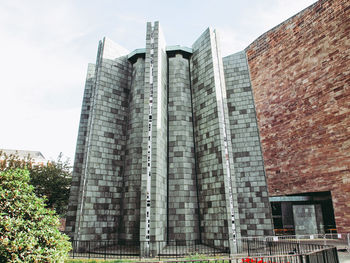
pixel 258 247
pixel 160 249
pixel 325 255
pixel 104 249
pixel 245 248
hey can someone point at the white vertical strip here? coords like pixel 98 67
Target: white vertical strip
pixel 227 160
pixel 149 143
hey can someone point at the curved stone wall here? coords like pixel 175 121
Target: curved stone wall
pixel 300 76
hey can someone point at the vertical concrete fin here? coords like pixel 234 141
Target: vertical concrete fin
pixel 229 173
pixel 154 161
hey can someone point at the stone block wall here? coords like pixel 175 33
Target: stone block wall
pixel 81 149
pixel 253 202
pixel 182 198
pixel 100 189
pixel 300 79
pixel 214 202
pixel 161 154
pixel 308 219
pixel 130 222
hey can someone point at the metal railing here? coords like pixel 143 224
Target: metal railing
pixel 160 249
pixel 260 247
pixel 244 247
pixel 325 255
pixel 104 249
pixel 340 240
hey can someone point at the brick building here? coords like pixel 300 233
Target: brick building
pixel 300 73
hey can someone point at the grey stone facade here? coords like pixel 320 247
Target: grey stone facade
pixel 254 207
pixel 183 208
pixel 168 147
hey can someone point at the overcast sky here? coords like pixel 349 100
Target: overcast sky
pixel 45 47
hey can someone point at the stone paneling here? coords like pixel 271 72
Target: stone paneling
pixel 208 106
pixel 167 151
pixel 80 152
pixel 182 204
pixel 101 177
pixel 130 223
pixel 254 206
pixel 300 77
pixel 308 219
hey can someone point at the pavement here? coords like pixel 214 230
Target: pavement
pixel 344 257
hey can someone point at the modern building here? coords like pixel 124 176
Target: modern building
pixel 168 147
pixel 173 140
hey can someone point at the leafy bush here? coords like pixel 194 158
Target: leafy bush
pixel 28 230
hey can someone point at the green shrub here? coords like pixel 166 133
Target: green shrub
pixel 28 230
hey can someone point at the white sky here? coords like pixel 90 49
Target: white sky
pixel 45 46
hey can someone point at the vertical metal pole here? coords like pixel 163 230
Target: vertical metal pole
pixel 248 247
pixel 89 248
pixel 324 256
pixel 214 247
pixel 73 247
pixel 336 254
pixel 176 247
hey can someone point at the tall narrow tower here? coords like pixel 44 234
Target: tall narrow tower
pixel 168 147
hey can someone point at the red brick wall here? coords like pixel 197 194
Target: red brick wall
pixel 300 73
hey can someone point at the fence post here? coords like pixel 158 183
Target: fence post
pixel 214 247
pixel 159 250
pixel 324 256
pixel 248 247
pixel 89 248
pixel 307 258
pixel 336 254
pixel 176 248
pixel 105 256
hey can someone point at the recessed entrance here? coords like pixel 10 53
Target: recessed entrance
pixel 301 214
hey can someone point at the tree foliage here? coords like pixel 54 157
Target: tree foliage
pixel 51 180
pixel 28 230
